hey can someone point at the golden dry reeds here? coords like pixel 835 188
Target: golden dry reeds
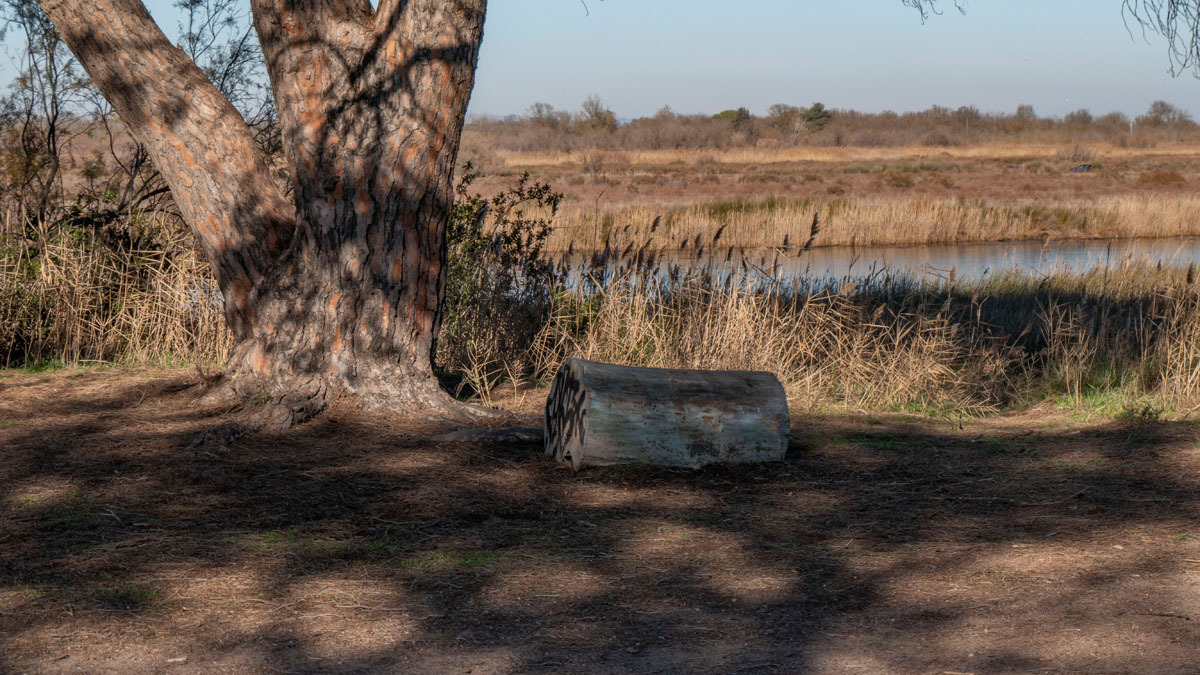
pixel 882 221
pixel 65 296
pixel 761 156
pixel 1117 337
pixel 1120 337
pixel 826 347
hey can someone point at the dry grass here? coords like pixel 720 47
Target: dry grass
pixel 1116 339
pixel 879 220
pixel 866 196
pixel 826 347
pixel 1119 339
pixel 1160 177
pixel 763 156
pixel 66 296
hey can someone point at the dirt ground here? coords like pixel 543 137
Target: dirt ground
pixel 138 536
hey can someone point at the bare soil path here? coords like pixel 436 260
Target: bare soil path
pixel 131 542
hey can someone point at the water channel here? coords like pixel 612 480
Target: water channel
pixel 969 261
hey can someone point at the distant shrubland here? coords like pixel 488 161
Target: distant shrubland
pixel 545 128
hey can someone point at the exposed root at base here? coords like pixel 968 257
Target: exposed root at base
pixel 454 410
pixel 303 399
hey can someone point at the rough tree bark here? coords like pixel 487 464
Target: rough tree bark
pixel 340 294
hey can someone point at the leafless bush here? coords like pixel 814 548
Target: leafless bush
pixel 592 163
pixel 1076 153
pixel 874 139
pixel 547 129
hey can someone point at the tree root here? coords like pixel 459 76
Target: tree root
pixel 298 400
pixel 454 410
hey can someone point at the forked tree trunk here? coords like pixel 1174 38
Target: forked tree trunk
pixel 197 140
pixel 342 294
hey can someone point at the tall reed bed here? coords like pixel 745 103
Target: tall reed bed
pixel 1124 337
pixel 867 221
pixel 80 296
pixel 1119 338
pixel 825 346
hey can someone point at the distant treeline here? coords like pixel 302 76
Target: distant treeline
pixel 544 127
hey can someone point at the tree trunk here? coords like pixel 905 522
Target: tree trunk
pixel 197 140
pixel 342 294
pixel 601 414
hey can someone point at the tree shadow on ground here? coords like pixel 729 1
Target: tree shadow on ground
pixel 355 544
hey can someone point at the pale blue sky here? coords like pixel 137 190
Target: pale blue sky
pixel 709 55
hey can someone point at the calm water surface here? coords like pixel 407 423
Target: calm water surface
pixel 976 260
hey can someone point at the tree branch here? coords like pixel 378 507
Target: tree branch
pixel 927 7
pixel 1176 20
pixel 195 137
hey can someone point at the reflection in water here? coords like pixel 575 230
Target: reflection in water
pixel 971 260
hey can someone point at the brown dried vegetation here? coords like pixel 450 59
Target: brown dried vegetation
pixel 967 193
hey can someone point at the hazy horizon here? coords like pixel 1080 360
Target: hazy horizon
pixel 706 56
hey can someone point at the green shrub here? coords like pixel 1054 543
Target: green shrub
pixel 499 282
